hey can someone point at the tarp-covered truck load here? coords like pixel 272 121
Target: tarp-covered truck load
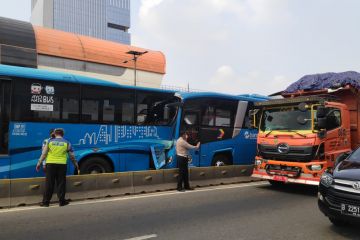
pixel 325 81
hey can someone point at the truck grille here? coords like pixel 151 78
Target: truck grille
pixel 294 154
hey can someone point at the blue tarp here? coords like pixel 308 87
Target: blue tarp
pixel 325 80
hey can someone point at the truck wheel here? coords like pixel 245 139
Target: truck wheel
pixel 337 222
pixel 221 160
pixel 95 165
pixel 276 183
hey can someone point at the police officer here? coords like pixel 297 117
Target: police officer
pixel 56 153
pixel 45 143
pixel 182 157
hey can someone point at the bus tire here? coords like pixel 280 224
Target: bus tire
pixel 95 165
pixel 221 160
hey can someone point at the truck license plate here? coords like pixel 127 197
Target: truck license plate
pixel 280 178
pixel 350 210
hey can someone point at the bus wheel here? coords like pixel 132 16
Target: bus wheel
pixel 95 165
pixel 221 160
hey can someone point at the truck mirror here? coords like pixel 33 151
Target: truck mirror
pixel 302 107
pixel 320 112
pixel 321 123
pixel 252 118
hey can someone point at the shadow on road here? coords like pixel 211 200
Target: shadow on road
pixel 293 189
pixel 350 232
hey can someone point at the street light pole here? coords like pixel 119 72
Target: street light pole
pixel 136 55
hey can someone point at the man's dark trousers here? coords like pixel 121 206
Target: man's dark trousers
pixel 55 173
pixel 183 172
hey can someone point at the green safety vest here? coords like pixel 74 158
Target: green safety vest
pixel 58 150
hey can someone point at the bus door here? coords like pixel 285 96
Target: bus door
pixel 5 92
pixel 190 123
pixel 216 131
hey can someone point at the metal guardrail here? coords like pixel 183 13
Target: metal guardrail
pixel 28 191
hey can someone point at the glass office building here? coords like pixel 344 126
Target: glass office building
pixel 104 19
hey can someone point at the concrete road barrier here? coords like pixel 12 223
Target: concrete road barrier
pixel 201 176
pixel 81 187
pixel 148 181
pixel 25 191
pixel 4 193
pixel 29 191
pixel 170 179
pixel 114 184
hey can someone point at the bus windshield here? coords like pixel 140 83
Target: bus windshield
pixel 285 119
pixel 161 113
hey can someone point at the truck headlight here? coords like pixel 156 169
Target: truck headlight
pixel 258 162
pixel 316 167
pixel 326 179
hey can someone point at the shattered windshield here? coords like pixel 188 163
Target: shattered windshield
pixel 285 119
pixel 162 113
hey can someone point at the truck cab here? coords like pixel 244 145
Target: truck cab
pixel 300 137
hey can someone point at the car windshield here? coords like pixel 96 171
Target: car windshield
pixel 285 119
pixel 355 156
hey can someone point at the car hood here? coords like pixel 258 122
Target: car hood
pixel 348 170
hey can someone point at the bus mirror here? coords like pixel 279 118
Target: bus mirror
pixel 302 107
pixel 252 118
pixel 320 112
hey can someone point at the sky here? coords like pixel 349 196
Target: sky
pixel 241 46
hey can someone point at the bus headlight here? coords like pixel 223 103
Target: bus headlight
pixel 316 167
pixel 326 179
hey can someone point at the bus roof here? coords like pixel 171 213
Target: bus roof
pixel 32 73
pixel 243 97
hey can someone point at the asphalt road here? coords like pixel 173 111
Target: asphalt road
pixel 243 211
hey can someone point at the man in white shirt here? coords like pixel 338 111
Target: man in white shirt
pixel 182 157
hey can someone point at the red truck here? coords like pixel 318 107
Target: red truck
pixel 302 134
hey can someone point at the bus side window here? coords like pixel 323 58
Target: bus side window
pixel 208 116
pixel 45 101
pixel 107 105
pixel 223 117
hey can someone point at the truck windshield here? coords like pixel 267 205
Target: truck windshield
pixel 285 119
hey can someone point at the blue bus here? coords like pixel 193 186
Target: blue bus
pixel 116 128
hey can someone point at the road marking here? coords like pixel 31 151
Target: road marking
pixel 115 199
pixel 143 237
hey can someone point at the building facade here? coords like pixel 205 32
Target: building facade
pixel 104 19
pixel 25 45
